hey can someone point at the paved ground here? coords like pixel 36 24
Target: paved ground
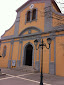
pixel 13 77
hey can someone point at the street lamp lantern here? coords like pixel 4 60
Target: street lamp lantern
pixel 41 45
pixel 49 40
pixel 36 42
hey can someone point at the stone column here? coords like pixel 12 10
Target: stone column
pixel 10 55
pixel 52 62
pixel 37 63
pixel 19 54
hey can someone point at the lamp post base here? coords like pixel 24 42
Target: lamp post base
pixel 41 83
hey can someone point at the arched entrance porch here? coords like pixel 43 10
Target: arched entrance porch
pixel 28 54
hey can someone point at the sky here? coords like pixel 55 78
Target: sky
pixel 8 12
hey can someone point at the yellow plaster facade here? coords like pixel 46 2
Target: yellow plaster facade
pixel 52 51
pixel 60 56
pixel 4 61
pixel 46 59
pixel 9 32
pixel 58 20
pixel 40 8
pixel 15 51
pixel 40 28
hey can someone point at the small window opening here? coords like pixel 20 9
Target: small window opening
pixel 28 16
pixel 34 14
pixel 4 51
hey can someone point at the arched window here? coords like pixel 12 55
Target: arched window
pixel 28 16
pixel 4 51
pixel 34 14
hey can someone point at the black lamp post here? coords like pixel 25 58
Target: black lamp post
pixel 41 45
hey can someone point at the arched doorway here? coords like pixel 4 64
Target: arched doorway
pixel 28 55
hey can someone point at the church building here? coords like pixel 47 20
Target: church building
pixel 36 19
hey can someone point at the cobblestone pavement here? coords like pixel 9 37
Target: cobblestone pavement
pixel 14 77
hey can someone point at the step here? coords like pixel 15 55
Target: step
pixel 25 69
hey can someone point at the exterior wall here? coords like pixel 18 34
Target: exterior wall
pixel 9 32
pixel 45 58
pixel 33 31
pixel 60 56
pixel 57 19
pixel 52 51
pixel 4 61
pixel 59 33
pixel 15 51
pixel 11 46
pixel 57 16
pixel 25 33
pixel 19 51
pixel 53 58
pixel 37 55
pixel 38 23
